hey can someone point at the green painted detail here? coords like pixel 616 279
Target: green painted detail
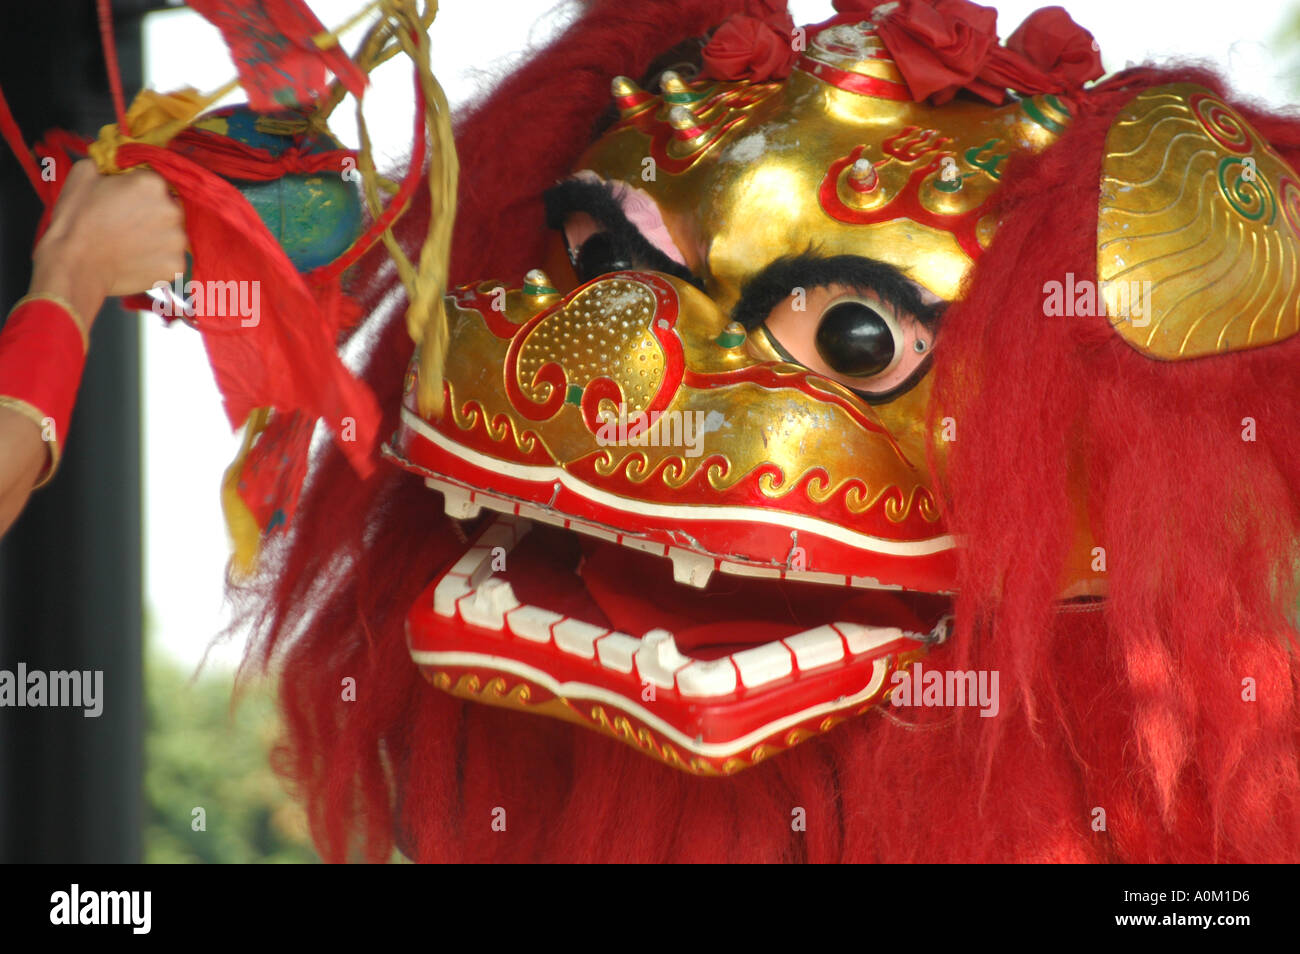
pixel 531 289
pixel 989 165
pixel 315 217
pixel 1040 117
pixel 730 340
pixel 950 185
pixel 573 395
pixel 1057 105
pixel 681 99
pixel 1245 193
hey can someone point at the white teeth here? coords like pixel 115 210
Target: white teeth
pixel 456 500
pixel 816 647
pixel 475 564
pixel 862 639
pixel 763 664
pixel 449 589
pixel 488 604
pixel 807 576
pixel 593 531
pixel 871 583
pixel 471 560
pixel 691 568
pixel 658 659
pixel 505 532
pixel 577 637
pixel 732 568
pixel 470 582
pixel 542 515
pixel 715 677
pixel 745 569
pixel 649 546
pixel 533 623
pixel 617 651
pixel 780 573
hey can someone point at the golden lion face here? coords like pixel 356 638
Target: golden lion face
pixel 707 437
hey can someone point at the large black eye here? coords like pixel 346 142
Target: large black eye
pixel 854 339
pixel 600 255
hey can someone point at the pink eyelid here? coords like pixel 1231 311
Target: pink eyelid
pixel 642 212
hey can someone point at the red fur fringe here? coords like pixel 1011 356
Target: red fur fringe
pixel 1135 709
pixel 1144 697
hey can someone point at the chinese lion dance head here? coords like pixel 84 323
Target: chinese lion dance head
pixel 795 379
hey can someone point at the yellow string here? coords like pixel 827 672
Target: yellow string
pixel 426 282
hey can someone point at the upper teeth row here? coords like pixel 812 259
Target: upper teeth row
pixel 481 599
pixel 689 566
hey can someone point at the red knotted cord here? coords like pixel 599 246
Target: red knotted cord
pixel 14 137
pixel 105 8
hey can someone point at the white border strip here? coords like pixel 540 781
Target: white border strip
pixel 586 691
pixel 534 474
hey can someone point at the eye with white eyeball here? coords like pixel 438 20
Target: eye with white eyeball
pixel 852 337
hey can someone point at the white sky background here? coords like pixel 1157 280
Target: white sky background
pixel 187 441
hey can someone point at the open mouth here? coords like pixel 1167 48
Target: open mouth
pixel 709 607
pixel 570 619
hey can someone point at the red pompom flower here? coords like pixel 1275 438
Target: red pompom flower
pixel 943 46
pixel 755 48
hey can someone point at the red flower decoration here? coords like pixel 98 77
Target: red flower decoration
pixel 754 48
pixel 940 47
pixel 943 46
pixel 1058 46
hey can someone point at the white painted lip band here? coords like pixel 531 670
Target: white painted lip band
pixel 696 746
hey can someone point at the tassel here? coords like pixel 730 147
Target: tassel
pixel 245 532
pixel 425 283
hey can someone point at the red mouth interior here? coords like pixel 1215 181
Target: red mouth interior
pixel 631 591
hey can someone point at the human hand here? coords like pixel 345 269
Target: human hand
pixel 108 235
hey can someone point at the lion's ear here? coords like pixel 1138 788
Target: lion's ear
pixel 1198 228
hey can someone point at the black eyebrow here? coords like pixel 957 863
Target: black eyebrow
pixel 775 283
pixel 599 200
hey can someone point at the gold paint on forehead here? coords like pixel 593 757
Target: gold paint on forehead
pixel 795 430
pixel 753 194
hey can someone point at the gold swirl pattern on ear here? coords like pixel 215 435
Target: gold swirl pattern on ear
pixel 1198 230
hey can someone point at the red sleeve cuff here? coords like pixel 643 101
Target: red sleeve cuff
pixel 42 355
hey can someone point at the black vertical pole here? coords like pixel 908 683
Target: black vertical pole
pixel 70 568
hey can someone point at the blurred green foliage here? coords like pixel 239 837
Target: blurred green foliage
pixel 202 752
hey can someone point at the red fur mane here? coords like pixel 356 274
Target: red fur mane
pixel 1136 709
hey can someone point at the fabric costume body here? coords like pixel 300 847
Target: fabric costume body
pixel 945 457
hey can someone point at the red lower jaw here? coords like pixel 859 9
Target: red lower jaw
pixel 555 630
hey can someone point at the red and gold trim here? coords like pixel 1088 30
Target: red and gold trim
pixel 855 82
pixel 509 691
